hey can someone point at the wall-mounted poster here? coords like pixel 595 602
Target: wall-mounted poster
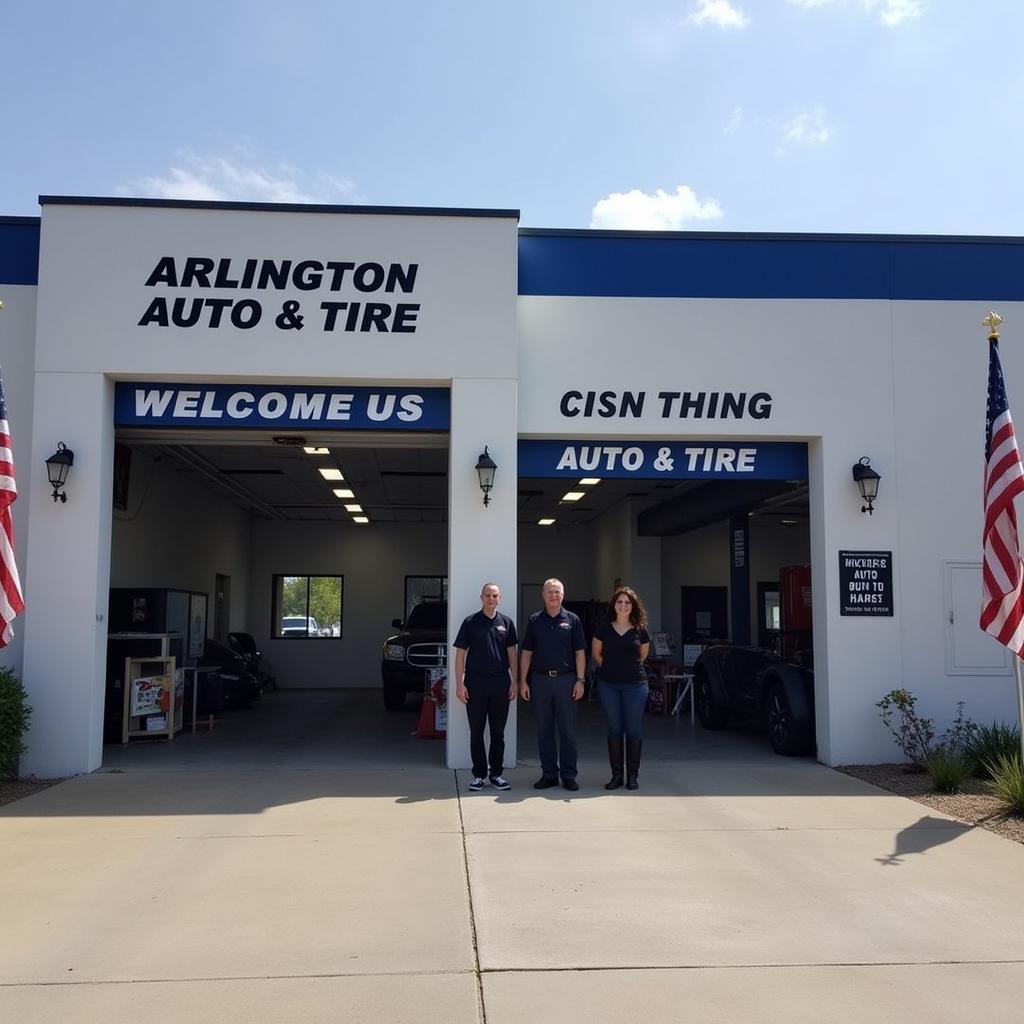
pixel 147 694
pixel 865 583
pixel 662 644
pixel 197 626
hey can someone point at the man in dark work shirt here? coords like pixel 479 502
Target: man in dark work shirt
pixel 485 681
pixel 555 648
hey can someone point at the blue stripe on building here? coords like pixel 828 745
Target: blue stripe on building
pixel 704 265
pixel 19 250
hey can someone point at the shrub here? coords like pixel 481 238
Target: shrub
pixel 14 716
pixel 990 743
pixel 915 736
pixel 1007 782
pixel 949 769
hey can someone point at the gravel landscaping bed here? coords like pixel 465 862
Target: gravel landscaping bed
pixel 975 806
pixel 15 789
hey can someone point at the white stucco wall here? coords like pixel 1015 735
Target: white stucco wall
pixel 374 562
pixel 178 533
pixel 89 332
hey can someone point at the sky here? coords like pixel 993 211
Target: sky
pixel 890 116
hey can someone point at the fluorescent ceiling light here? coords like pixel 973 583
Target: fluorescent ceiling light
pixel 317 451
pixel 344 492
pixel 589 481
pixel 572 495
pixel 545 522
pixel 332 474
pixel 353 508
pixel 360 519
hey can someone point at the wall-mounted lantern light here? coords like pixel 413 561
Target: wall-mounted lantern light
pixel 57 466
pixel 867 481
pixel 485 468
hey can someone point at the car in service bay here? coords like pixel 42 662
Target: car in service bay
pixel 749 682
pixel 421 643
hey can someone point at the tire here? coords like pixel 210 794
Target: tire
pixel 394 697
pixel 711 714
pixel 787 736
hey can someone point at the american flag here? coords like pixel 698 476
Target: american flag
pixel 1002 600
pixel 11 602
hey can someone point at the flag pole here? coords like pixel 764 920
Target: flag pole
pixel 992 322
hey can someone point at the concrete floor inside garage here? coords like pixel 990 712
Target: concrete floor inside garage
pixel 301 729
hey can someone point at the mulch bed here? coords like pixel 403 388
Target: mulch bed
pixel 975 806
pixel 15 789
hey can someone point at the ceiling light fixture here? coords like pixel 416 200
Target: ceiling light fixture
pixel 332 474
pixel 353 508
pixel 573 495
pixel 590 481
pixel 360 519
pixel 344 492
pixel 317 451
pixel 545 522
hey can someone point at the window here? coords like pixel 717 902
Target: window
pixel 424 588
pixel 307 606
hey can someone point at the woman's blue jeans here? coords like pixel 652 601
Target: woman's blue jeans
pixel 623 705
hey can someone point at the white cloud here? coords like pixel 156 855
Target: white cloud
pixel 717 12
pixel 662 211
pixel 807 129
pixel 732 126
pixel 238 177
pixel 890 12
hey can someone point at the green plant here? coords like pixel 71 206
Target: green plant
pixel 1007 782
pixel 990 743
pixel 949 769
pixel 14 716
pixel 915 735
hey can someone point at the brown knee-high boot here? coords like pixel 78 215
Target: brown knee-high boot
pixel 615 759
pixel 633 748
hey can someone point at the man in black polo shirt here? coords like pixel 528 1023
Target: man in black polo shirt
pixel 554 646
pixel 485 681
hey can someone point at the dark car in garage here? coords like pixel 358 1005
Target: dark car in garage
pixel 749 682
pixel 421 643
pixel 230 683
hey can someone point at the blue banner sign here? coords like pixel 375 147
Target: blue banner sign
pixel 284 406
pixel 659 460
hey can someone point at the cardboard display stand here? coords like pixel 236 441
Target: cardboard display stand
pixel 153 698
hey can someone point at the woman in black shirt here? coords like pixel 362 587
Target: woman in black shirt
pixel 619 649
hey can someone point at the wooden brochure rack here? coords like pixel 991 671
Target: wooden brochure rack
pixel 153 698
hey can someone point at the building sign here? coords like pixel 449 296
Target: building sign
pixel 277 407
pixel 865 583
pixel 656 460
pixel 336 295
pixel 666 405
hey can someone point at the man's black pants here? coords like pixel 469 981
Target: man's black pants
pixel 555 710
pixel 488 704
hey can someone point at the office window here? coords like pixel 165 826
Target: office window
pixel 307 606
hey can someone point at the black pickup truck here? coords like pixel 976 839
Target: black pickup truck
pixel 421 643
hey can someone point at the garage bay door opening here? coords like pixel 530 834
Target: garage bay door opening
pixel 272 565
pixel 714 538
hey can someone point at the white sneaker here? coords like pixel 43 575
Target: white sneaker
pixel 500 782
pixel 477 784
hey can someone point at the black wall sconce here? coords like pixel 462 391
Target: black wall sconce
pixel 485 468
pixel 57 466
pixel 867 481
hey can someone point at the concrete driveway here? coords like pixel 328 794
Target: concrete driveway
pixel 734 886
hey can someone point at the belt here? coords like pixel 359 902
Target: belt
pixel 553 672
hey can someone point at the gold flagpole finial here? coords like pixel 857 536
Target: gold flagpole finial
pixel 992 322
pixel 1 303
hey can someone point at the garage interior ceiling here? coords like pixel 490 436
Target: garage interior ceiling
pixel 396 482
